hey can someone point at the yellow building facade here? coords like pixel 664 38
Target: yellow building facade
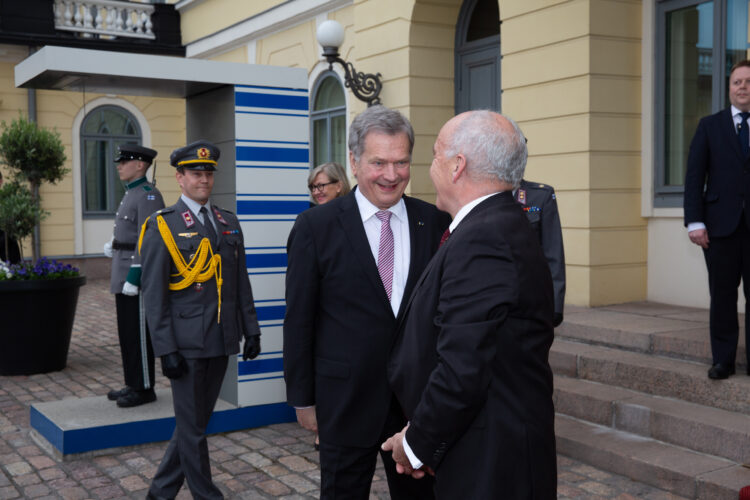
pixel 579 76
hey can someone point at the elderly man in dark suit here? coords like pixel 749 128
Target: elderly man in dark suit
pixel 199 305
pixel 718 219
pixel 470 364
pixel 352 263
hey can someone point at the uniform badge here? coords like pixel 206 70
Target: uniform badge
pixel 219 216
pixel 233 231
pixel 189 222
pixel 150 197
pixel 187 235
pixel 198 287
pixel 521 196
pixel 554 197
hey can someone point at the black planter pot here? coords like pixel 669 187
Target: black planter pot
pixel 36 321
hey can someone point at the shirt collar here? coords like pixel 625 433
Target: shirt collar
pixel 194 206
pixel 137 182
pixel 367 209
pixel 735 111
pixel 464 211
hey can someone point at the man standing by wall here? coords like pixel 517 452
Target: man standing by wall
pixel 718 220
pixel 352 265
pixel 198 304
pixel 470 364
pixel 141 199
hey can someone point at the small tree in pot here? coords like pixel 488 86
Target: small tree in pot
pixel 19 214
pixel 34 155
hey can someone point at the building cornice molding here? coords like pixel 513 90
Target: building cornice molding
pixel 275 19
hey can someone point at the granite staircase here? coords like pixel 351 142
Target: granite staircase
pixel 632 397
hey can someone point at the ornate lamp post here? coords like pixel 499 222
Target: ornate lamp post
pixel 365 86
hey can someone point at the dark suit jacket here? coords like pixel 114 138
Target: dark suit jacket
pixel 184 321
pixel 470 364
pixel 715 161
pixel 540 205
pixel 339 325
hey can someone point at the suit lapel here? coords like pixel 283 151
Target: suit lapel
pixel 351 222
pixel 420 250
pixel 730 130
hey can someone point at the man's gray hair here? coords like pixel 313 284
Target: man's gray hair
pixel 378 119
pixel 489 154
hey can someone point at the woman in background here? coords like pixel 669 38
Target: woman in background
pixel 326 182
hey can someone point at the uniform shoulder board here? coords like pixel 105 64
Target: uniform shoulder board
pixel 224 210
pixel 165 210
pixel 146 187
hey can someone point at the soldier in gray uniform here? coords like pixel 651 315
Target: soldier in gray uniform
pixel 540 204
pixel 199 305
pixel 141 199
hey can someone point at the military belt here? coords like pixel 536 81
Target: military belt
pixel 119 245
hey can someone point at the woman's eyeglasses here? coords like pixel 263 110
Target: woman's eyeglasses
pixel 319 187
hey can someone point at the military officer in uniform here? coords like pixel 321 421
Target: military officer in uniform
pixel 141 199
pixel 540 204
pixel 199 305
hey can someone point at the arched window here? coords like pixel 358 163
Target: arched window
pixel 102 131
pixel 477 77
pixel 328 119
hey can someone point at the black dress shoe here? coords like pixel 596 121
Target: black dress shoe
pixel 115 395
pixel 136 398
pixel 720 371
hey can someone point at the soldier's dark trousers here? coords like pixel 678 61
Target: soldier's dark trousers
pixel 135 343
pixel 194 396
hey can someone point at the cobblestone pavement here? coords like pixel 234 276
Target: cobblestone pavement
pixel 277 461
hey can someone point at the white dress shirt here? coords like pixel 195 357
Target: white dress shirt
pixel 694 226
pixel 401 242
pixel 416 463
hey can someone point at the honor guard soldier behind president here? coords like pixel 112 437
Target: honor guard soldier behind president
pixel 540 204
pixel 141 199
pixel 198 306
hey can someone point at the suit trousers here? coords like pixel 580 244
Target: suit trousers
pixel 346 472
pixel 728 260
pixel 194 396
pixel 135 342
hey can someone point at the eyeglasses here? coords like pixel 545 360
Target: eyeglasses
pixel 319 187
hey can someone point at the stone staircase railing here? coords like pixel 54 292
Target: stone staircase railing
pixel 105 18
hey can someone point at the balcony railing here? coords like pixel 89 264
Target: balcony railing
pixel 105 18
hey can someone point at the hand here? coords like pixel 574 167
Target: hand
pixel 557 319
pixel 129 289
pixel 699 237
pixel 108 248
pixel 395 444
pixel 173 365
pixel 307 419
pixel 251 349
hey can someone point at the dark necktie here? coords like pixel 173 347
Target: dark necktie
pixel 744 133
pixel 444 238
pixel 209 227
pixel 386 251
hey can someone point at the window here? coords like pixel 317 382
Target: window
pixel 328 118
pixel 698 44
pixel 102 131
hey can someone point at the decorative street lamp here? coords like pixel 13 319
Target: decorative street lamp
pixel 365 86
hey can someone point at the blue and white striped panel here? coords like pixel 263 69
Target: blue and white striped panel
pixel 272 157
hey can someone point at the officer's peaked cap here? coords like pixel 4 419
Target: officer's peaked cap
pixel 199 155
pixel 127 152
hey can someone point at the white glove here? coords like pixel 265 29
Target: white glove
pixel 129 289
pixel 108 247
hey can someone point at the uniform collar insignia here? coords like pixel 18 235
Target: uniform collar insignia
pixel 219 216
pixel 521 196
pixel 189 222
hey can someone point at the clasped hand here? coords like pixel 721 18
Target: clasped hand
pixel 395 445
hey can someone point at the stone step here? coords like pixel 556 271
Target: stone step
pixel 650 374
pixel 647 327
pixel 677 470
pixel 696 427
